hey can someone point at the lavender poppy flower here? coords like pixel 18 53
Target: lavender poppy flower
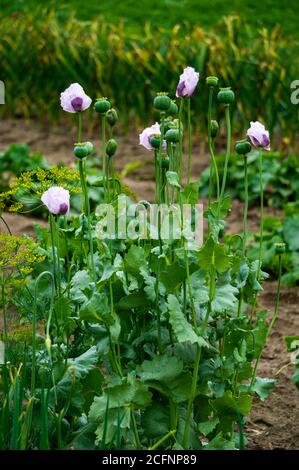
pixel 258 135
pixel 147 134
pixel 57 200
pixel 74 99
pixel 188 82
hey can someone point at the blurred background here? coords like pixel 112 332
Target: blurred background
pixel 129 50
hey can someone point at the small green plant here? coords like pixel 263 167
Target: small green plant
pixel 275 231
pixel 292 343
pixel 16 160
pixel 280 178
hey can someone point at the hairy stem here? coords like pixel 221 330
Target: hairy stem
pixel 228 151
pixel 261 214
pixel 189 138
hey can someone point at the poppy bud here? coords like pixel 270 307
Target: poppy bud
pixel 226 96
pixel 165 163
pixel 280 248
pixel 48 344
pixel 173 109
pixel 212 81
pixel 172 135
pixel 162 102
pixel 102 105
pixel 111 147
pixel 176 124
pixel 112 117
pixel 243 147
pixel 168 124
pixel 82 150
pixel 155 141
pixel 214 128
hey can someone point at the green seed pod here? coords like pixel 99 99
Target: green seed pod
pixel 111 147
pixel 243 147
pixel 162 102
pixel 112 117
pixel 212 81
pixel 280 248
pixel 165 163
pixel 168 124
pixel 226 96
pixel 173 109
pixel 82 150
pixel 172 135
pixel 89 147
pixel 155 141
pixel 176 124
pixel 102 105
pixel 214 128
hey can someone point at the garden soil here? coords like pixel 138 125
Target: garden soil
pixel 272 424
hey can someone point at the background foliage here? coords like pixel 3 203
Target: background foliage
pixel 114 59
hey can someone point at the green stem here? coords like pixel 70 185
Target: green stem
pixel 241 431
pixel 211 148
pixel 189 138
pixel 56 226
pixel 192 396
pixel 240 303
pixel 52 232
pixel 180 163
pixel 107 177
pixel 156 176
pixel 261 214
pixel 261 229
pixel 273 320
pixel 160 179
pixel 116 354
pixel 211 90
pixel 80 127
pixel 228 151
pixel 113 176
pixel 104 157
pixel 43 274
pixel 172 168
pixel 87 214
pixel 44 441
pixel 4 307
pixel 244 227
pixel 197 362
pixel 163 439
pixel 190 293
pixel 86 206
pixel 135 430
pixel 158 311
pixel 173 413
pixel 245 205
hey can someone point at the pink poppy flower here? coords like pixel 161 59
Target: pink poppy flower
pixel 57 200
pixel 147 134
pixel 188 82
pixel 258 135
pixel 74 99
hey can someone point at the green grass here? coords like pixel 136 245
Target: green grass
pixel 167 13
